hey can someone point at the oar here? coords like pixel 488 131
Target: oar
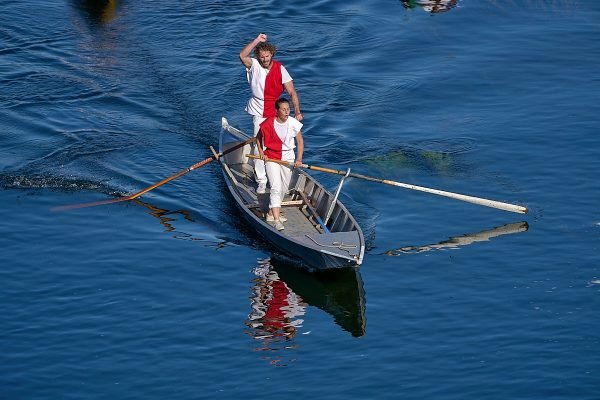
pixel 471 199
pixel 149 188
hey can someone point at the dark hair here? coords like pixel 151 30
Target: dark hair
pixel 281 100
pixel 265 46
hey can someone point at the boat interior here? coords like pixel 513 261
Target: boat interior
pixel 305 206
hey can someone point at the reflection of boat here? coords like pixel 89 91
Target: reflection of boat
pixel 339 292
pixel 464 240
pixel 282 292
pixel 320 231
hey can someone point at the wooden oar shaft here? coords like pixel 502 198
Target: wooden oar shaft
pixel 151 187
pixel 470 199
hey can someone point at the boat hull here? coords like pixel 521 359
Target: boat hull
pixel 306 239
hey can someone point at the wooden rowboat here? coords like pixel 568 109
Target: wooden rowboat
pixel 319 233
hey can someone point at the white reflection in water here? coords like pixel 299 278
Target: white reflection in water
pixel 275 314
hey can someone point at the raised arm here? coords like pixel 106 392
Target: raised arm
pixel 247 50
pixel 291 91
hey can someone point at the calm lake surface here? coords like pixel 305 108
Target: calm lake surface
pixel 174 296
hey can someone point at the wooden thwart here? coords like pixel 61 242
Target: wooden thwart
pixel 289 203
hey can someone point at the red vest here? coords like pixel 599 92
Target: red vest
pixel 271 141
pixel 273 89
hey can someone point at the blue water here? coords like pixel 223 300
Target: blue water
pixel 175 297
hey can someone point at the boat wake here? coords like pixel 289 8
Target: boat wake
pixel 59 183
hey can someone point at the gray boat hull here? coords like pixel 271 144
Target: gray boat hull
pixel 306 239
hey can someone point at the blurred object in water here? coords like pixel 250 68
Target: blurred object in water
pixel 431 6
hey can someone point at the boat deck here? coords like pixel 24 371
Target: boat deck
pixel 299 222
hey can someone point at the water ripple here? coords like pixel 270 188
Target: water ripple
pixel 50 88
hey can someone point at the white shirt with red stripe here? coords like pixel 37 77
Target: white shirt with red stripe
pixel 284 142
pixel 257 77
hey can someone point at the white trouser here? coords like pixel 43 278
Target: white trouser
pixel 279 179
pixel 259 165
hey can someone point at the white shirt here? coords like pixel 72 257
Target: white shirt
pixel 257 76
pixel 287 132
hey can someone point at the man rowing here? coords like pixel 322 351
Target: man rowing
pixel 277 139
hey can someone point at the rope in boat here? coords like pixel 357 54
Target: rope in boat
pixel 335 245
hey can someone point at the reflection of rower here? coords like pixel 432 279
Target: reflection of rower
pixel 464 240
pixel 432 6
pixel 275 308
pixel 282 291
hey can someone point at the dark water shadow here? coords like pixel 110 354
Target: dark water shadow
pixel 439 157
pixel 97 12
pixel 463 240
pixel 445 157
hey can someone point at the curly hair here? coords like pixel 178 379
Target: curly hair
pixel 265 46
